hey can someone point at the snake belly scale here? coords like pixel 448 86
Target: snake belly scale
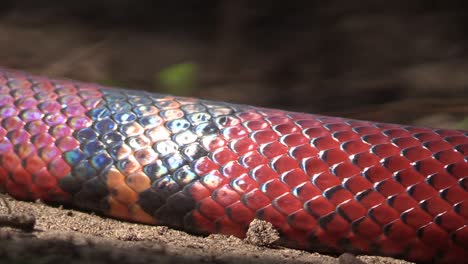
pixel 326 184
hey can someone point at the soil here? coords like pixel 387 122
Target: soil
pixel 69 236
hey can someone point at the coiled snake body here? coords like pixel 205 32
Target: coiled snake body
pixel 325 183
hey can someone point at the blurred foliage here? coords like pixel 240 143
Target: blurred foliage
pixel 177 79
pixel 463 124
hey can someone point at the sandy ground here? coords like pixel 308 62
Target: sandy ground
pixel 76 237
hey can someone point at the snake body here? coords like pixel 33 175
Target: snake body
pixel 326 184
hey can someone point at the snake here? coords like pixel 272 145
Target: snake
pixel 326 184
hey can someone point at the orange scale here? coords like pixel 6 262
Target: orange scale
pixel 137 214
pixel 117 209
pixel 114 178
pixel 138 181
pixel 124 194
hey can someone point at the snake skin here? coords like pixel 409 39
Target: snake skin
pixel 327 184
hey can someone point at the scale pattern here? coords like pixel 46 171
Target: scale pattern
pixel 328 184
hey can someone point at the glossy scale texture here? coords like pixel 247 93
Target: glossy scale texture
pixel 327 184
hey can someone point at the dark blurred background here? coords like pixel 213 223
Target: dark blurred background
pixel 393 61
